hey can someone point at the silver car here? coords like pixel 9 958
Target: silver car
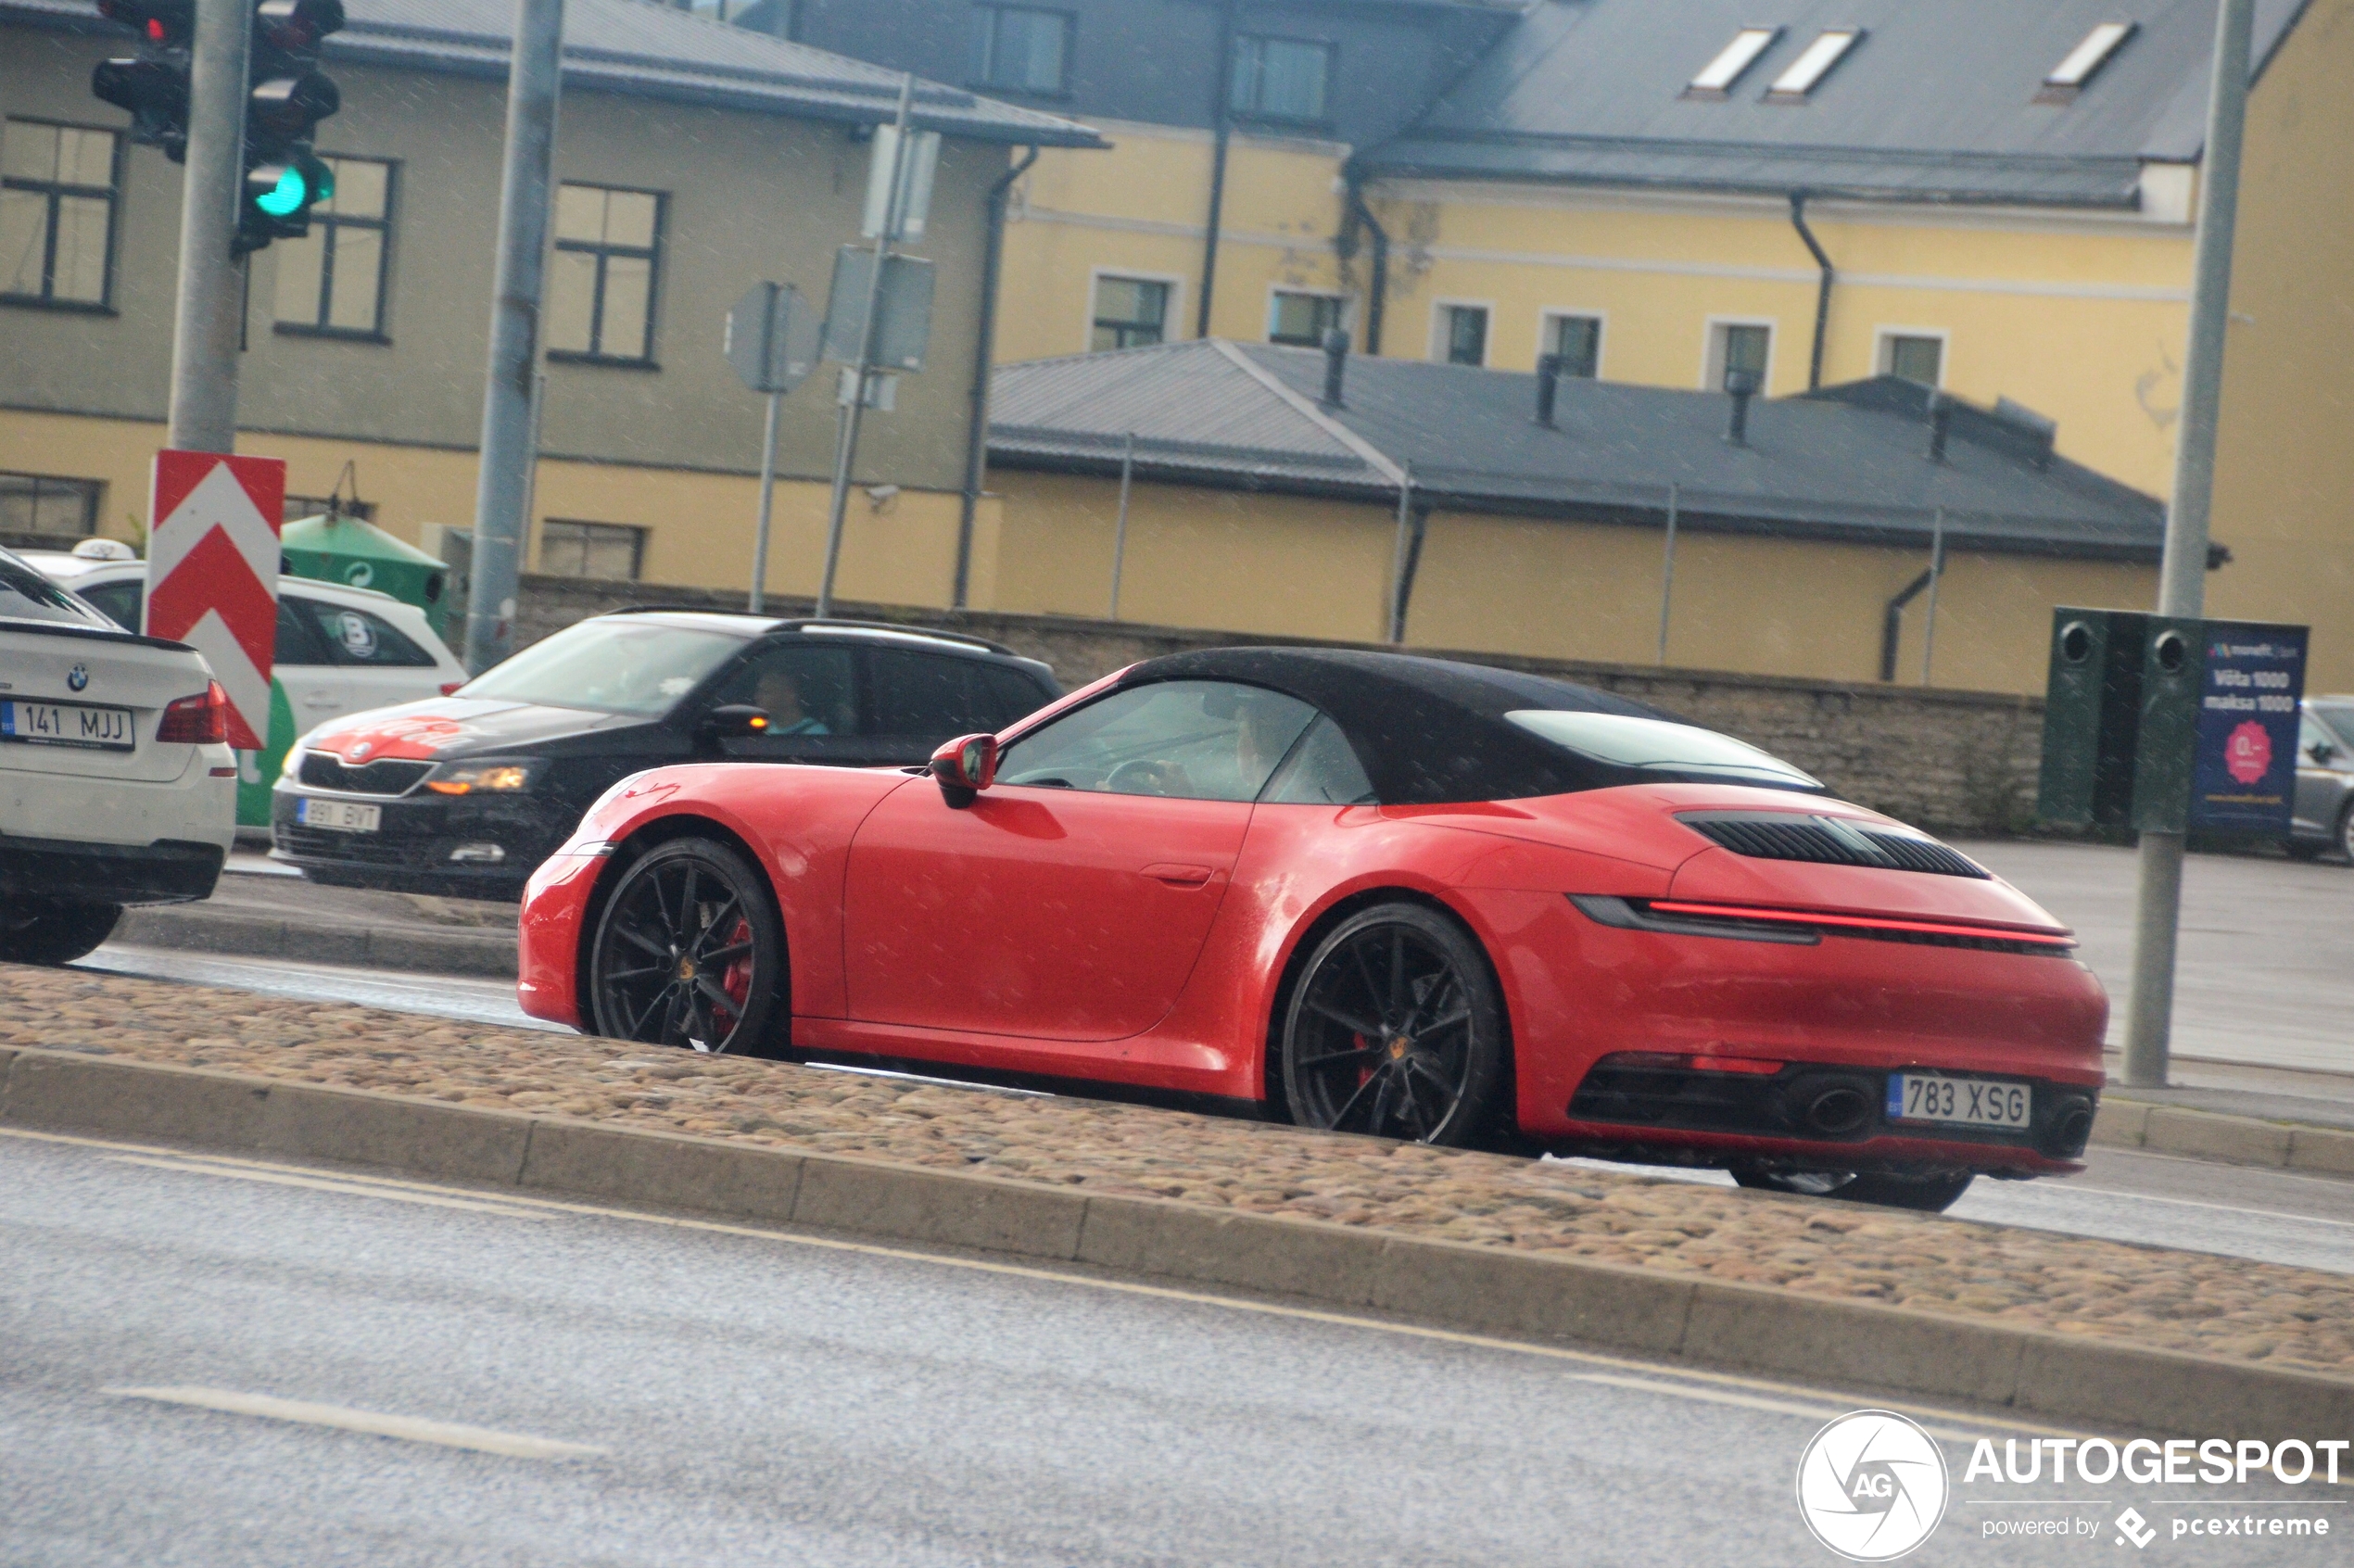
pixel 2325 814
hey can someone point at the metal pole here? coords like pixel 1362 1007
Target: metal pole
pixel 847 451
pixel 1667 575
pixel 503 480
pixel 767 501
pixel 212 313
pixel 1936 575
pixel 1120 531
pixel 2182 572
pixel 1398 560
pixel 531 473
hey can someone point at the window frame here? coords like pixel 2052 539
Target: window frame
pixel 1442 331
pixel 1884 350
pixel 1549 334
pixel 94 492
pixel 1716 341
pixel 56 190
pixel 1275 292
pixel 987 14
pixel 602 251
pixel 328 223
pixel 640 533
pixel 1257 112
pixel 1172 313
pixel 1146 690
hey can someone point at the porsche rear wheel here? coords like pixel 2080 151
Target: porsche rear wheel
pixel 689 952
pixel 1929 1194
pixel 1395 1029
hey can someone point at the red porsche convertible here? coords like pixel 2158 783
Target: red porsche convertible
pixel 1374 892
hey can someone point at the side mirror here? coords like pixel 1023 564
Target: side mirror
pixel 733 721
pixel 2321 751
pixel 965 767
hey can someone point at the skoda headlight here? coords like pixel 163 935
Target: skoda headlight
pixel 481 778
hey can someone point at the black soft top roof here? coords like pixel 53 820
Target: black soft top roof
pixel 1427 731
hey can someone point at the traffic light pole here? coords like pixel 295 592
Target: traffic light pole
pixel 504 480
pixel 2182 588
pixel 211 304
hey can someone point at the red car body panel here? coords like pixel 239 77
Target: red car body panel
pixel 1146 940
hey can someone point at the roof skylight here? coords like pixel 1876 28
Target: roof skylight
pixel 1815 62
pixel 2089 56
pixel 1720 73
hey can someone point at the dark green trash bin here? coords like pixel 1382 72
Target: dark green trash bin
pixel 333 548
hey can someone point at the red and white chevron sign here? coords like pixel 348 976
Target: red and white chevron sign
pixel 212 573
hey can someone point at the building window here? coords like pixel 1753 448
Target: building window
pixel 1737 347
pixel 1281 79
pixel 1914 356
pixel 56 212
pixel 611 550
pixel 1021 49
pixel 1576 342
pixel 1466 334
pixel 600 283
pixel 296 508
pixel 1130 313
pixel 41 504
pixel 1302 320
pixel 332 280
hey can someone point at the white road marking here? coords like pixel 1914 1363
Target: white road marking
pixel 409 1429
pixel 2219 1208
pixel 1744 1402
pixel 1160 1293
pixel 349 1188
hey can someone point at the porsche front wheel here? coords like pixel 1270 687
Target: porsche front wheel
pixel 1395 1029
pixel 689 952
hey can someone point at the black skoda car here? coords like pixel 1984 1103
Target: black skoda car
pixel 467 793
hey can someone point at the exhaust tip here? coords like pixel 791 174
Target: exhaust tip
pixel 1838 1111
pixel 2071 1128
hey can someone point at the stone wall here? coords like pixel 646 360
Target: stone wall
pixel 1955 761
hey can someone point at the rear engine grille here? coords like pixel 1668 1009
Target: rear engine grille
pixel 1827 840
pixel 324 770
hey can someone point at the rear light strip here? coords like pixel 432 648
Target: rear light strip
pixel 200 720
pixel 1754 923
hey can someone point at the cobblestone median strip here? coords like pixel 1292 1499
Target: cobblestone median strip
pixel 1830 1268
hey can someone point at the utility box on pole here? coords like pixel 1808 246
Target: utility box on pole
pixel 2163 724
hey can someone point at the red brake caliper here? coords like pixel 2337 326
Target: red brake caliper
pixel 736 981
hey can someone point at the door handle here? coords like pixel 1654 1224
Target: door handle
pixel 1178 876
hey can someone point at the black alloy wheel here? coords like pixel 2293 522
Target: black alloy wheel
pixel 689 952
pixel 1929 1194
pixel 39 932
pixel 1395 1029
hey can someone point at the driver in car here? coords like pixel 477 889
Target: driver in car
pixel 1264 729
pixel 778 695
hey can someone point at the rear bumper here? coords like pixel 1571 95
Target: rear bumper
pixel 168 871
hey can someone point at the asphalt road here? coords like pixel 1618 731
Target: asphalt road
pixel 535 1385
pixel 2264 964
pixel 2271 1215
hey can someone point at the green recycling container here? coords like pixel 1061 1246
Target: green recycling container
pixel 331 548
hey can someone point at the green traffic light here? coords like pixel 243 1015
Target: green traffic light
pixel 292 191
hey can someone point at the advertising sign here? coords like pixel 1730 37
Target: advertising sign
pixel 2243 769
pixel 212 573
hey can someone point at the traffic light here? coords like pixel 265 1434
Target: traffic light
pixel 153 87
pixel 287 99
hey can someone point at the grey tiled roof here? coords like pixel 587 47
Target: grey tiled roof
pixel 1849 462
pixel 1937 101
pixel 637 46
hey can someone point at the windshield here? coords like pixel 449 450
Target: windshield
pixel 26 595
pixel 615 667
pixel 1676 751
pixel 2339 718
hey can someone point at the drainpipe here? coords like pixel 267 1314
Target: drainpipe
pixel 1222 118
pixel 984 349
pixel 1377 288
pixel 1892 626
pixel 1822 290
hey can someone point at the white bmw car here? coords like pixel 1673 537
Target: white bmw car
pixel 116 783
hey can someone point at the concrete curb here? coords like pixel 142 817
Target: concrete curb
pixel 2226 1140
pixel 1478 1289
pixel 193 927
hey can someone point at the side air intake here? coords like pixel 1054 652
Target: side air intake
pixel 1827 840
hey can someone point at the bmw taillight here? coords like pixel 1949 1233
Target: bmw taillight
pixel 201 720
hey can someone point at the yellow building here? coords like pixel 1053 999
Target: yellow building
pixel 1860 533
